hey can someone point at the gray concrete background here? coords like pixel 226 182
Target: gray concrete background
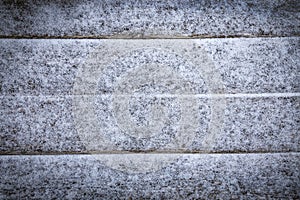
pixel 196 176
pixel 152 18
pixel 228 130
pixel 46 124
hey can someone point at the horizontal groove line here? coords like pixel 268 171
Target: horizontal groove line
pixel 195 36
pixel 146 152
pixel 237 95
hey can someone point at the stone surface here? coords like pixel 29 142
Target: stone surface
pixel 52 124
pixel 256 65
pixel 159 119
pixel 36 67
pixel 151 18
pixel 193 176
pixel 50 67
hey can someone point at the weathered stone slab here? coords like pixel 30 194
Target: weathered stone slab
pixel 55 67
pixel 151 18
pixel 149 123
pixel 36 67
pixel 256 66
pixel 193 176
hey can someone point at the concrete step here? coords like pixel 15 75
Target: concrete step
pixel 37 124
pixel 151 176
pixel 50 67
pixel 151 18
pixel 83 117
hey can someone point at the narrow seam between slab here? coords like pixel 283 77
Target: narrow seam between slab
pixel 145 38
pixel 237 95
pixel 147 153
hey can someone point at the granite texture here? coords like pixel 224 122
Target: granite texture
pixel 256 65
pixel 36 67
pixel 50 67
pixel 38 124
pixel 151 18
pixel 48 124
pixel 194 176
pixel 159 119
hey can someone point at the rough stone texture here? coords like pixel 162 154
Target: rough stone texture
pixel 46 124
pixel 166 99
pixel 206 176
pixel 47 67
pixel 38 124
pixel 256 65
pixel 40 66
pixel 151 18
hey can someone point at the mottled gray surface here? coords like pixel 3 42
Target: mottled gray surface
pixel 46 124
pixel 151 18
pixel 180 103
pixel 256 65
pixel 40 66
pixel 210 176
pixel 36 67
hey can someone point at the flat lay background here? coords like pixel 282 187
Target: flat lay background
pixel 149 99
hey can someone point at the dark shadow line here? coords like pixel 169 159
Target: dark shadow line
pixel 195 36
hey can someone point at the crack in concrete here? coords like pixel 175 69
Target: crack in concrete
pixel 194 36
pixel 149 152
